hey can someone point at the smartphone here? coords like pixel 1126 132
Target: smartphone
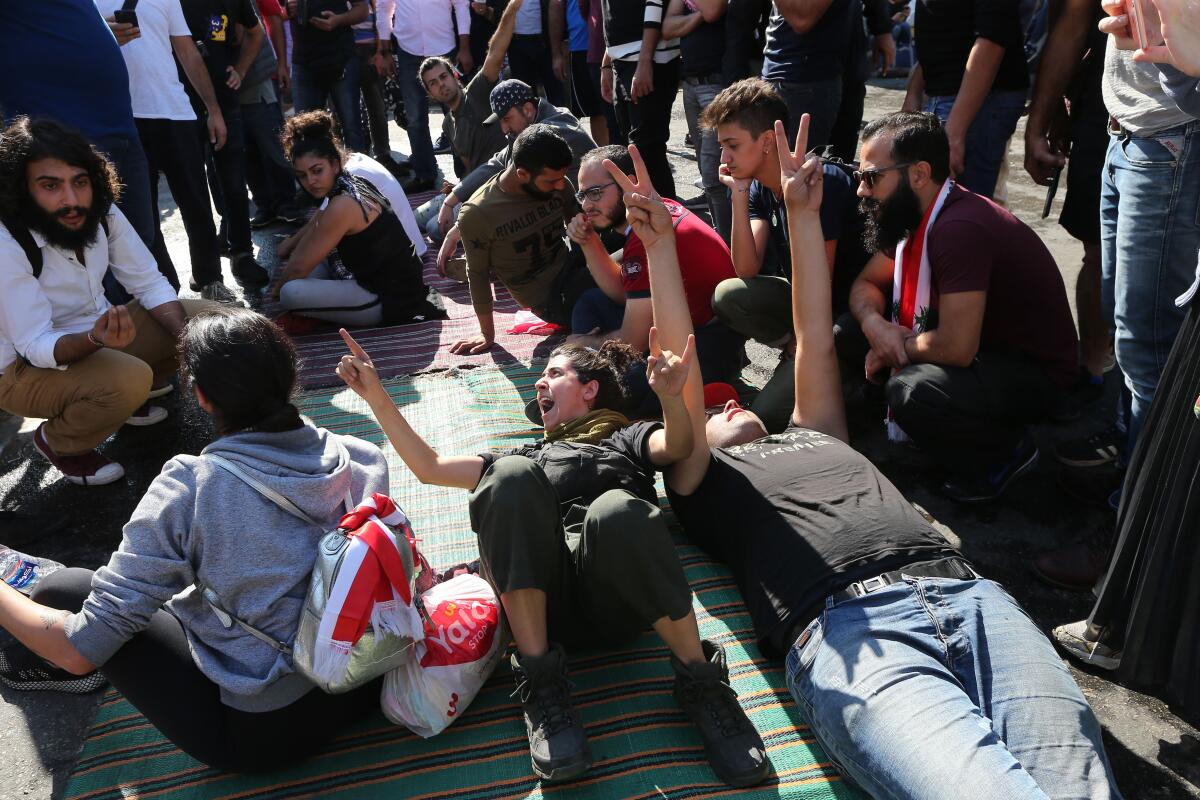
pixel 1145 22
pixel 1051 190
pixel 126 17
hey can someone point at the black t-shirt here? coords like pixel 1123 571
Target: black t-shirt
pixel 580 473
pixel 817 55
pixel 213 24
pixel 703 49
pixel 797 516
pixel 320 49
pixel 838 204
pixel 945 31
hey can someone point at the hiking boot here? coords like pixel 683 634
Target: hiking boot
pixel 1082 642
pixel 989 485
pixel 86 469
pixel 1093 487
pixel 1102 447
pixel 1076 566
pixel 734 749
pixel 146 414
pixel 558 744
pixel 246 270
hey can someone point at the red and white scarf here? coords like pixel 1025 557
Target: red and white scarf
pixel 910 285
pixel 372 586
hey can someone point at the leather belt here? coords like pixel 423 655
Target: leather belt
pixel 952 567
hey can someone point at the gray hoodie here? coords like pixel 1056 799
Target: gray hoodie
pixel 198 521
pixel 564 123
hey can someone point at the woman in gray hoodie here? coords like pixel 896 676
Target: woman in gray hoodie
pixel 222 695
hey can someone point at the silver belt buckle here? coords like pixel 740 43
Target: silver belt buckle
pixel 873 584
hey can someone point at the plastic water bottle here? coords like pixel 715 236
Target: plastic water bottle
pixel 23 572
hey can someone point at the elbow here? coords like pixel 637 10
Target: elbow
pixel 678 451
pixel 73 662
pixel 963 357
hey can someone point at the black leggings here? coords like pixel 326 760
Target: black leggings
pixel 156 673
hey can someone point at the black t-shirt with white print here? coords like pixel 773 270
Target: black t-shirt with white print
pixel 797 516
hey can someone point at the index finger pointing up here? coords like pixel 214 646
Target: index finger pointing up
pixel 355 349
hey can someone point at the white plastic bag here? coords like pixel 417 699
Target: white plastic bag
pixel 464 639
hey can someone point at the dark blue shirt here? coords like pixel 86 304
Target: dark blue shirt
pixel 60 61
pixel 817 55
pixel 703 49
pixel 837 202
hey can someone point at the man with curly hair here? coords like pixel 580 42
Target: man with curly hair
pixel 66 354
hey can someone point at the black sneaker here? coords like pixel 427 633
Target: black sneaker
pixel 735 750
pixel 1102 447
pixel 262 219
pixel 415 185
pixel 990 484
pixel 441 146
pixel 558 744
pixel 21 669
pixel 248 271
pixel 293 213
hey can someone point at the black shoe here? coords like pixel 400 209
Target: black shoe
pixel 292 213
pixel 1094 486
pixel 441 146
pixel 735 750
pixel 990 484
pixel 1086 390
pixel 1102 447
pixel 262 219
pixel 417 185
pixel 246 270
pixel 558 744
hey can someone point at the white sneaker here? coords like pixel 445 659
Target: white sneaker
pixel 1081 643
pixel 161 391
pixel 147 415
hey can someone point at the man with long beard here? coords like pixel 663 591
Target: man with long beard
pixel 514 228
pixel 962 311
pixel 66 355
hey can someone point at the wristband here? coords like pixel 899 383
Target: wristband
pixel 96 341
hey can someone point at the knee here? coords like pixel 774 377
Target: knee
pixel 290 294
pixel 514 485
pixel 631 524
pixel 127 383
pixel 729 298
pixel 65 589
pixel 914 388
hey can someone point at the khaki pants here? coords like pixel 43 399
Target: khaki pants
pixel 90 399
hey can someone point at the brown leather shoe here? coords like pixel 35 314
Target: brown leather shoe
pixel 1076 566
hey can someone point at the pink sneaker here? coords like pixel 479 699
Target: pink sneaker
pixel 86 469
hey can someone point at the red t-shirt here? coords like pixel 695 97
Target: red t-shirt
pixel 975 245
pixel 704 261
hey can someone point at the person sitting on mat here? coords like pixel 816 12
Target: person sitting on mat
pixel 222 695
pixel 571 536
pixel 886 628
pixel 353 263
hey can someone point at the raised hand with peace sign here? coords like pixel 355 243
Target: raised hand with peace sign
pixel 802 176
pixel 665 371
pixel 644 209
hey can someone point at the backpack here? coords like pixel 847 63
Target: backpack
pixel 33 253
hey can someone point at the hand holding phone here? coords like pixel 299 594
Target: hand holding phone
pixel 1145 23
pixel 124 26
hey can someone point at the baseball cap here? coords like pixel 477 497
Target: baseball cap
pixel 507 94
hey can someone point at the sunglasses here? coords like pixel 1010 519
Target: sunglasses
pixel 869 176
pixel 593 193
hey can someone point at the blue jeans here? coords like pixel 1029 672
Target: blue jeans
pixel 416 108
pixel 310 94
pixel 936 688
pixel 1149 235
pixel 268 173
pixel 697 97
pixel 819 99
pixel 987 138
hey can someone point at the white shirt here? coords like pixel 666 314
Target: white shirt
pixel 425 27
pixel 367 167
pixel 154 85
pixel 69 297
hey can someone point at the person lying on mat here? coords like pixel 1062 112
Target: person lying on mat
pixel 354 262
pixel 223 696
pixel 571 536
pixel 917 676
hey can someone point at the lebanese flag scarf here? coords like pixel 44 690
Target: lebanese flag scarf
pixel 910 285
pixel 372 586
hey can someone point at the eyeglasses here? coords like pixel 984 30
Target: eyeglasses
pixel 868 176
pixel 593 193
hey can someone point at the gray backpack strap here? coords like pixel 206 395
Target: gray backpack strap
pixel 229 620
pixel 260 487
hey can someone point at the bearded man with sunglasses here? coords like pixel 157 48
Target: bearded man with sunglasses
pixel 962 313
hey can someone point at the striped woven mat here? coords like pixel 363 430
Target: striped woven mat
pixel 643 745
pixel 408 349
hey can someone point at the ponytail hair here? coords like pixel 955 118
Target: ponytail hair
pixel 312 133
pixel 246 367
pixel 607 366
